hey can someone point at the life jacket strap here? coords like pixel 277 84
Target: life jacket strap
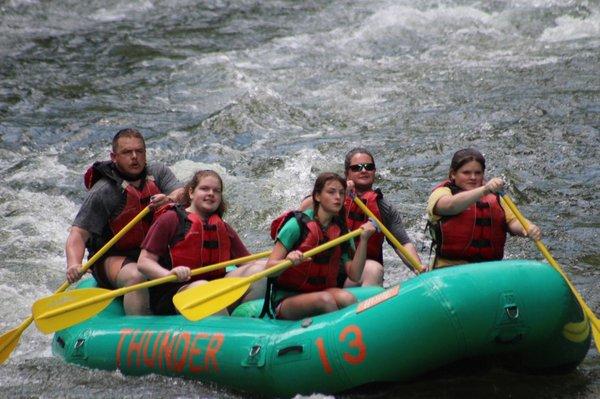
pixel 483 221
pixel 267 309
pixel 210 244
pixel 317 280
pixel 481 243
pixel 357 216
pixel 323 257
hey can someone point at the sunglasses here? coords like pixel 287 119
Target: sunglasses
pixel 362 166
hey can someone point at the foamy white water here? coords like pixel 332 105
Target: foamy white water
pixel 272 93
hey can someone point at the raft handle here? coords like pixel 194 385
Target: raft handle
pixel 79 343
pixel 294 348
pixel 507 341
pixel 255 350
pixel 512 311
pixel 60 341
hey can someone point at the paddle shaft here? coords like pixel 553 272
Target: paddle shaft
pixel 277 268
pixel 413 262
pixel 19 330
pixel 287 263
pixel 594 320
pixel 151 283
pixel 108 245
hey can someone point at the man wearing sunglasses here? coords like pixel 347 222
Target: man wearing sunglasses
pixel 359 169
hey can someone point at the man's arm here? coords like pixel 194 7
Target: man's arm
pixel 176 195
pixel 170 187
pixel 75 250
pixel 158 200
pixel 165 179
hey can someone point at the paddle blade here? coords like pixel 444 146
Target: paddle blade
pixel 8 342
pixel 62 310
pixel 596 335
pixel 203 300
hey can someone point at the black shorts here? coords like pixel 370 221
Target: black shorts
pixel 161 298
pixel 99 272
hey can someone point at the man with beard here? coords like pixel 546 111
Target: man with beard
pixel 119 190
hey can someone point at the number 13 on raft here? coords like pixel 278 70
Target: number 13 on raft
pixel 355 354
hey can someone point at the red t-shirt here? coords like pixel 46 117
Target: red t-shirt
pixel 164 229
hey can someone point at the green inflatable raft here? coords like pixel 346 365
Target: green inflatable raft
pixel 520 312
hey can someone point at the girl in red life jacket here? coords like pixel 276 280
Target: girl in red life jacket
pixel 319 293
pixel 359 170
pixel 469 221
pixel 189 236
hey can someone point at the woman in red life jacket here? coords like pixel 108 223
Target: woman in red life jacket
pixel 315 279
pixel 469 221
pixel 359 169
pixel 192 235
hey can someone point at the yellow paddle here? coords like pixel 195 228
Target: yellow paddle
pixel 587 311
pixel 413 262
pixel 62 310
pixel 203 300
pixel 9 340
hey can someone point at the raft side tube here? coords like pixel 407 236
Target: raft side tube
pixel 521 311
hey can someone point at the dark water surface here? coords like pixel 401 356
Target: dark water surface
pixel 270 94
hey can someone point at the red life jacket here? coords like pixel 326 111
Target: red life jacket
pixel 200 243
pixel 135 201
pixel 322 271
pixel 355 218
pixel 476 234
pixel 282 219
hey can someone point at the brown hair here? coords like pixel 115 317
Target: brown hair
pixel 193 183
pixel 340 218
pixel 353 152
pixel 464 156
pixel 128 132
pixel 322 179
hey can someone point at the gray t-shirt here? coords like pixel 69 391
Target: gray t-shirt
pixel 102 202
pixel 390 217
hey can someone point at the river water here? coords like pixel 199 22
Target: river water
pixel 270 93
